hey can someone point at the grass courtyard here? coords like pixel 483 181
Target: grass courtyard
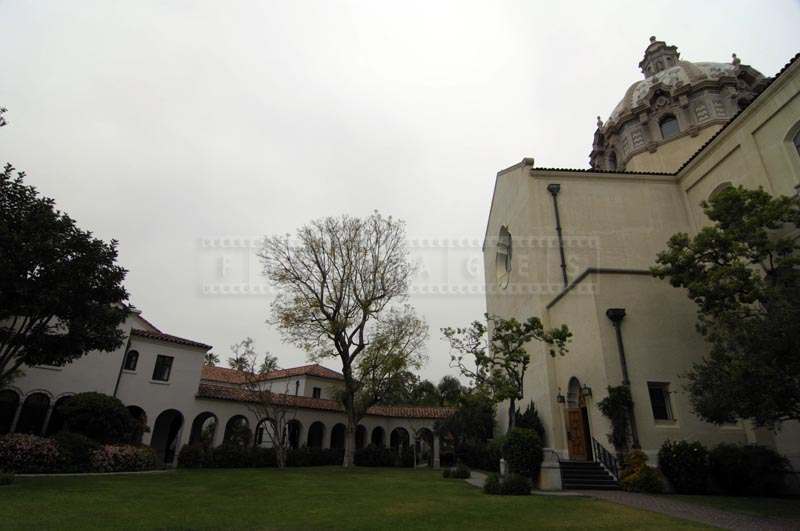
pixel 311 498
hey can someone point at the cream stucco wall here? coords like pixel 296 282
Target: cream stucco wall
pixel 669 157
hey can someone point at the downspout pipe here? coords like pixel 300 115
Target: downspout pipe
pixel 122 365
pixel 616 315
pixel 554 188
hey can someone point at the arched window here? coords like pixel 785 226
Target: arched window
pixel 56 422
pixel 131 360
pixel 503 258
pixel 33 414
pixel 669 127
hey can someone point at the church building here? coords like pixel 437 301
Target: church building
pixel 574 247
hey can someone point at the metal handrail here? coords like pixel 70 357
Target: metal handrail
pixel 606 458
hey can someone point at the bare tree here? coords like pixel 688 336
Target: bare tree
pixel 334 284
pixel 273 408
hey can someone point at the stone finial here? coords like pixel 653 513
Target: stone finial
pixel 652 38
pixel 736 61
pixel 599 122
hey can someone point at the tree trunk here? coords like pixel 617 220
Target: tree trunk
pixel 512 413
pixel 349 442
pixel 280 456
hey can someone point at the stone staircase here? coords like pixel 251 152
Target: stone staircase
pixel 586 475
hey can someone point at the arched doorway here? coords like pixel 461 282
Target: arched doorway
pixel 56 422
pixel 424 446
pixel 316 434
pixel 204 427
pixel 579 438
pixel 33 414
pixel 294 428
pixel 166 432
pixel 141 417
pixel 264 433
pixel 361 437
pixel 399 438
pixel 9 403
pixel 378 437
pixel 237 431
pixel 337 436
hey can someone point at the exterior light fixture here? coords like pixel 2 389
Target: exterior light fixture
pixel 587 391
pixel 560 398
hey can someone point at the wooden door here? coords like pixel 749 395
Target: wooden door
pixel 576 438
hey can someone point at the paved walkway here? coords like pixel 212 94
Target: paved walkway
pixel 670 507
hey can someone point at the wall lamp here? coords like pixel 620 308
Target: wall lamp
pixel 560 397
pixel 587 391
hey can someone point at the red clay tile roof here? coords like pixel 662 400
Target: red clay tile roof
pixel 314 369
pixel 159 336
pixel 216 392
pixel 222 374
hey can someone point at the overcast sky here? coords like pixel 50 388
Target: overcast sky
pixel 187 130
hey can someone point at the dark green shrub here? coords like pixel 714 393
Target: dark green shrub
pixel 492 484
pixel 616 407
pixel 6 478
pixel 645 479
pixel 748 470
pixel 196 455
pixel 231 456
pixel 102 418
pixel 523 452
pixel 405 459
pixel 685 465
pixel 375 456
pixel 447 459
pixel 124 458
pixel 263 457
pixel 75 451
pixel 461 471
pixel 481 456
pixel 446 473
pixel 305 456
pixel 516 485
pixel 530 420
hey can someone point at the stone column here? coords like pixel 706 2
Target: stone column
pixel 219 432
pixel 435 451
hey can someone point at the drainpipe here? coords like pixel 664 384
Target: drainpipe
pixel 616 315
pixel 554 188
pixel 121 365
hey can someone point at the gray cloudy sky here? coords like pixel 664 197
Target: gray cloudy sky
pixel 186 129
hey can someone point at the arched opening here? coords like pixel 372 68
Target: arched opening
pixel 9 403
pixel 579 438
pixel 141 417
pixel 131 360
pixel 166 433
pixel 719 189
pixel 399 439
pixel 33 414
pixel 378 437
pixel 361 437
pixel 337 436
pixel 237 431
pixel 612 161
pixel 204 427
pixel 424 446
pixel 316 434
pixel 669 127
pixel 263 433
pixel 503 257
pixel 56 422
pixel 294 428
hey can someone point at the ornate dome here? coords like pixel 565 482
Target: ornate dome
pixel 689 96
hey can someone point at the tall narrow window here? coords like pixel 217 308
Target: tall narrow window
pixel 131 360
pixel 317 392
pixel 297 388
pixel 659 401
pixel 163 368
pixel 612 162
pixel 503 257
pixel 669 127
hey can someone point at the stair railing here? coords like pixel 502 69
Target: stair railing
pixel 606 458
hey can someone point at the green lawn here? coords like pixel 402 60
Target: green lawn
pixel 788 508
pixel 310 498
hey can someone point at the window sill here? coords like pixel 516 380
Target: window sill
pixel 159 382
pixel 667 424
pixel 49 367
pixel 126 371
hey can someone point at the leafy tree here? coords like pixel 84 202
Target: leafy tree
pixel 399 388
pixel 335 283
pixel 241 354
pixel 743 272
pixel 497 362
pixel 102 418
pixel 472 422
pixel 425 393
pixel 617 407
pixel 210 359
pixel 450 391
pixel 61 292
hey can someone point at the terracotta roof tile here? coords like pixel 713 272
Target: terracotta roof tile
pixel 159 336
pixel 216 392
pixel 223 374
pixel 308 370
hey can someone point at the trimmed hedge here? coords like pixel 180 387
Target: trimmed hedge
pixel 28 454
pixel 748 470
pixel 685 465
pixel 102 418
pixel 511 485
pixel 75 451
pixel 124 458
pixel 481 456
pixel 523 452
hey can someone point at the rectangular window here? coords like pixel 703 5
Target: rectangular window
pixel 317 392
pixel 163 368
pixel 659 400
pixel 131 360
